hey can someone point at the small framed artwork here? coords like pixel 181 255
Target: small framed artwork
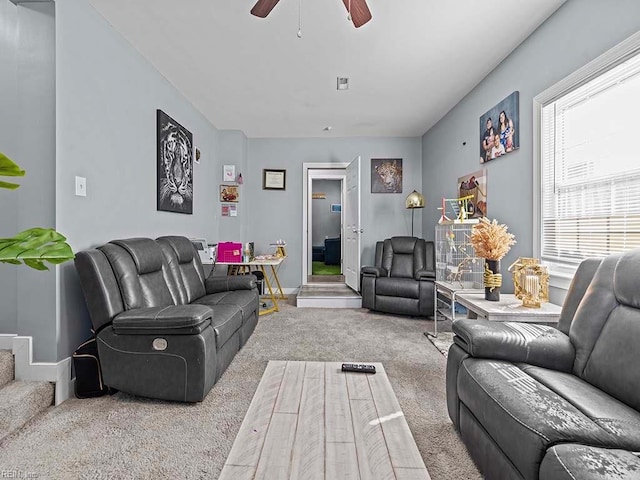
pixel 229 193
pixel 336 208
pixel 229 173
pixel 274 179
pixel 386 175
pixel 196 158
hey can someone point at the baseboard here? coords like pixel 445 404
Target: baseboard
pixel 58 373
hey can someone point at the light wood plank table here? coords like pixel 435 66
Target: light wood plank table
pixel 309 420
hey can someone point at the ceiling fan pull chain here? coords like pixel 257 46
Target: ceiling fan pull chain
pixel 300 18
pixel 349 10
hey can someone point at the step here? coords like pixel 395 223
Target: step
pixel 327 296
pixel 7 367
pixel 20 401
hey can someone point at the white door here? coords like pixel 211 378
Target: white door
pixel 352 229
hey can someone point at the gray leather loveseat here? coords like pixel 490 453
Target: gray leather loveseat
pixel 402 279
pixel 535 402
pixel 163 330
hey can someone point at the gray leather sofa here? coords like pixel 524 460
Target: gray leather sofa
pixel 163 330
pixel 536 402
pixel 402 279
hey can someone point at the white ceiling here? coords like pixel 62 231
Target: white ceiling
pixel 407 67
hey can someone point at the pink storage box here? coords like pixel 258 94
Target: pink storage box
pixel 229 252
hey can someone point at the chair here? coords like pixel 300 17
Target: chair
pixel 402 279
pixel 332 251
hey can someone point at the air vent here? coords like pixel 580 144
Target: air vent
pixel 343 83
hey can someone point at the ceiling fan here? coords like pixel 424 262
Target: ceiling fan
pixel 358 10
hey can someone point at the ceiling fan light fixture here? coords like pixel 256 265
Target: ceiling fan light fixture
pixel 343 83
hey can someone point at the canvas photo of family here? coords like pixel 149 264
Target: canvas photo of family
pixel 499 129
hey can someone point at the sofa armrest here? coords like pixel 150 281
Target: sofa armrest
pixel 530 343
pixel 229 283
pixel 172 320
pixel 425 275
pixel 375 271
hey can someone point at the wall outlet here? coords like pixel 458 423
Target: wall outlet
pixel 81 187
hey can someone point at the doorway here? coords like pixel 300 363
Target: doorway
pixel 325 222
pixel 324 199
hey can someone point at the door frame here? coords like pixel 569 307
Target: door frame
pixel 307 177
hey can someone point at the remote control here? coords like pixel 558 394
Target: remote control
pixel 358 367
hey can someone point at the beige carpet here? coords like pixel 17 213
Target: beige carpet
pixel 125 437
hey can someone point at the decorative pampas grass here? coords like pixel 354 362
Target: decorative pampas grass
pixel 491 239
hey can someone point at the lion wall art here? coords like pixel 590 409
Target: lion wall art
pixel 175 166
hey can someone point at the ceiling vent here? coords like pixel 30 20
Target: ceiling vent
pixel 343 83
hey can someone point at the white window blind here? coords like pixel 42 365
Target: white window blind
pixel 590 171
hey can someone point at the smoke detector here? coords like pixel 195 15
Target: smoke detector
pixel 343 83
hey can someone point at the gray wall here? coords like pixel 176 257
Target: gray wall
pixel 277 214
pixel 37 125
pixel 107 96
pixel 577 33
pixel 325 223
pixel 232 150
pixel 27 135
pixel 8 145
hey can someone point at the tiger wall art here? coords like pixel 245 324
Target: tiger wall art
pixel 175 166
pixel 386 175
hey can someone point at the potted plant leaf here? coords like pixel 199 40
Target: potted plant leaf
pixel 33 246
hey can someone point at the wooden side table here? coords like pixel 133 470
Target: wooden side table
pixel 508 309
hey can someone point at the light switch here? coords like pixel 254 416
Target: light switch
pixel 81 187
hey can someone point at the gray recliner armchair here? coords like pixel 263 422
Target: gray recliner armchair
pixel 402 279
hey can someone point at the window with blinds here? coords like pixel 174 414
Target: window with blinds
pixel 590 170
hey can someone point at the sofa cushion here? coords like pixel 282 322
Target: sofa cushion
pixel 398 287
pixel 186 273
pixel 246 300
pixel 610 414
pixel 226 321
pixel 521 414
pixel 571 462
pixel 132 262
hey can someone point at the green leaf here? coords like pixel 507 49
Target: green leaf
pixel 35 246
pixel 10 186
pixel 8 168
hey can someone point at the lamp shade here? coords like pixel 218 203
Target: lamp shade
pixel 415 200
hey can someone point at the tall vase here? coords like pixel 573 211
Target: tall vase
pixel 492 280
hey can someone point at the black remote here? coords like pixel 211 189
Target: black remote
pixel 358 367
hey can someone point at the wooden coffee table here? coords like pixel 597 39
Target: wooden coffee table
pixel 309 420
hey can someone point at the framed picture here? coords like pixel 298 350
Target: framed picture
pixel 174 165
pixel 197 156
pixel 229 173
pixel 473 187
pixel 229 193
pixel 274 179
pixel 336 208
pixel 499 132
pixel 386 175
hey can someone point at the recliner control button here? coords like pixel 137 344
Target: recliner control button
pixel 159 344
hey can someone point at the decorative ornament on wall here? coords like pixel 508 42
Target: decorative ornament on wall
pixel 175 166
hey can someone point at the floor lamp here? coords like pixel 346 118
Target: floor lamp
pixel 414 200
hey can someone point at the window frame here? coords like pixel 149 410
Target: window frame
pixel 561 274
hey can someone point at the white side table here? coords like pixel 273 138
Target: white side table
pixel 508 309
pixel 450 291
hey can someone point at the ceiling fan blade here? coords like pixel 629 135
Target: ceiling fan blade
pixel 360 13
pixel 262 8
